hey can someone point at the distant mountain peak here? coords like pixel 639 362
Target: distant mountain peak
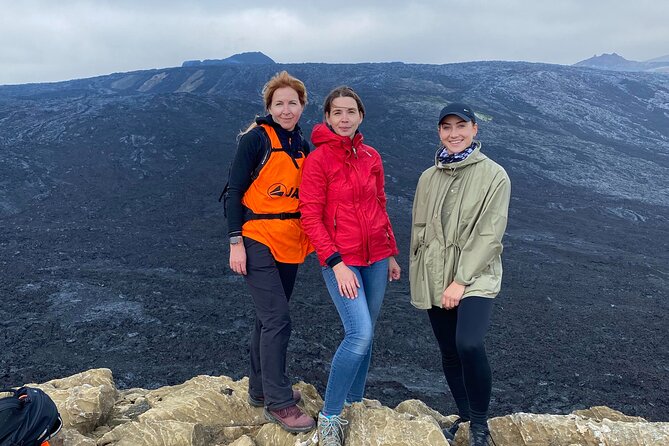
pixel 616 62
pixel 248 58
pixel 613 56
pixel 605 59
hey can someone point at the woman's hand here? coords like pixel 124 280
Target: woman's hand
pixel 238 258
pixel 347 281
pixel 394 269
pixel 451 296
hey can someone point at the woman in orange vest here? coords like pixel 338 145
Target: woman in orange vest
pixel 267 243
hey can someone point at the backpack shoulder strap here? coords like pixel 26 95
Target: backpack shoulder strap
pixel 274 141
pixel 271 143
pixel 267 142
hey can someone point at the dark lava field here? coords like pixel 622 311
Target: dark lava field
pixel 113 250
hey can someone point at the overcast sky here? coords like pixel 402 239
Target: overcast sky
pixel 51 40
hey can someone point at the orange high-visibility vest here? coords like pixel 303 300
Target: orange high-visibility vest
pixel 272 199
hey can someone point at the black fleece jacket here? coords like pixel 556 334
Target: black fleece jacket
pixel 250 150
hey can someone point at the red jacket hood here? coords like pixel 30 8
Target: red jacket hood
pixel 321 134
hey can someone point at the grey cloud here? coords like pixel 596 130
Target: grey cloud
pixel 46 41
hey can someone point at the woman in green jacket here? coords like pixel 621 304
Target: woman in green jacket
pixel 459 216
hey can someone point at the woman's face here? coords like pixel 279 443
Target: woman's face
pixel 456 134
pixel 344 116
pixel 285 107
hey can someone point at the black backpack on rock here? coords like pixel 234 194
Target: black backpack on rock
pixel 27 418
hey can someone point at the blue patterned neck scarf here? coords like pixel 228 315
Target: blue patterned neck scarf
pixel 445 158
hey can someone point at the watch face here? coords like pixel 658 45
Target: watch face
pixel 235 240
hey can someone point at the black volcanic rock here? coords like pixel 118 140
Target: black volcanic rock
pixel 113 250
pixel 251 58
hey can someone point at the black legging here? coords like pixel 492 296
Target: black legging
pixel 460 333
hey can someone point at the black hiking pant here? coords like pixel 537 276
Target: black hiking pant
pixel 460 333
pixel 271 284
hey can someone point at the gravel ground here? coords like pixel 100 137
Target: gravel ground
pixel 570 330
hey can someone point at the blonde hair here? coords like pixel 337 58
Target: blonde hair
pixel 280 80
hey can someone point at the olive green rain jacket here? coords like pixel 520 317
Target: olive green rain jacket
pixel 459 217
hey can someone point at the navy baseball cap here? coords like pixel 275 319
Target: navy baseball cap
pixel 463 111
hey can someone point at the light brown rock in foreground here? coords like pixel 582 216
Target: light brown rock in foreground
pixel 272 435
pixel 71 437
pixel 244 440
pixel 384 426
pixel 158 433
pixel 600 413
pixel 213 401
pixel 213 411
pixel 84 400
pixel 523 429
pixel 217 407
pixel 417 408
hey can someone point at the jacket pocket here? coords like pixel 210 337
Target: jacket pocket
pixel 418 285
pixel 345 237
pixel 418 239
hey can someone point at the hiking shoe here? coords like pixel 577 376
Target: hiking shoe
pixel 331 430
pixel 291 419
pixel 260 402
pixel 451 431
pixel 479 435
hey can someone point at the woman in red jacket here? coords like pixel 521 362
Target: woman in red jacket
pixel 343 207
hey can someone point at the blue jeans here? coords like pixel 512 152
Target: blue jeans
pixel 348 372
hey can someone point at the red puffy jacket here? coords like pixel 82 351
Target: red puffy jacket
pixel 342 200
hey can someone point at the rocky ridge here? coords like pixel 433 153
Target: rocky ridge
pixel 212 410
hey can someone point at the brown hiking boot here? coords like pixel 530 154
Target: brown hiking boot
pixel 291 418
pixel 260 402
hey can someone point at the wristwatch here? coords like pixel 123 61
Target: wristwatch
pixel 235 240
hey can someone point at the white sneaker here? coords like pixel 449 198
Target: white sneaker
pixel 331 430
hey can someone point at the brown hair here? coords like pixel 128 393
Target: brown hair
pixel 343 91
pixel 280 80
